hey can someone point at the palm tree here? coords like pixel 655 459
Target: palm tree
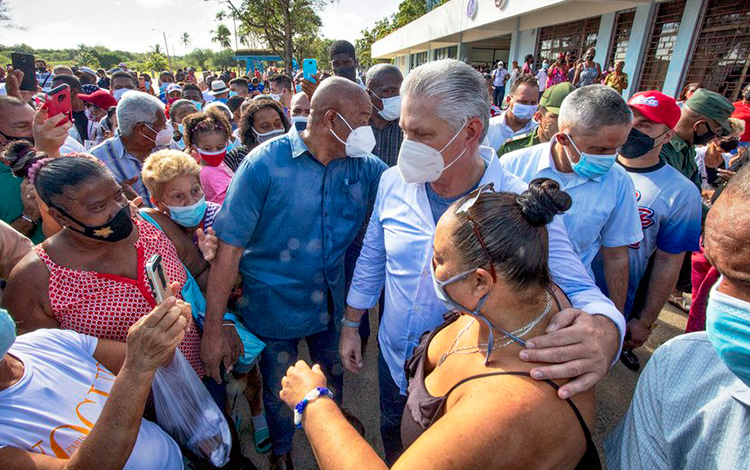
pixel 185 41
pixel 156 49
pixel 221 36
pixel 156 62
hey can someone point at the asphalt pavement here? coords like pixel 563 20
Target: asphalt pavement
pixel 361 395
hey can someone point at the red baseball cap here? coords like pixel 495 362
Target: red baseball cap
pixel 100 99
pixel 656 107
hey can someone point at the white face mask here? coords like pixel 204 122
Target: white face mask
pixel 275 96
pixel 419 163
pixel 267 135
pixel 119 92
pixel 391 107
pixel 163 137
pixel 524 112
pixel 360 142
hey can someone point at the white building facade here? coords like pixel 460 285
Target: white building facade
pixel 665 44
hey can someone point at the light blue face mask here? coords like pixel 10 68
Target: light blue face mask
pixel 590 165
pixel 7 332
pixel 453 305
pixel 188 216
pixel 197 104
pixel 728 328
pixel 232 93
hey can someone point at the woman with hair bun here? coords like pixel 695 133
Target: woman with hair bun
pixel 472 402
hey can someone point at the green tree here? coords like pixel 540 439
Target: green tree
pixel 85 56
pixel 185 41
pixel 156 62
pixel 224 59
pixel 200 58
pixel 408 11
pixel 316 49
pixel 222 36
pixel 156 49
pixel 279 24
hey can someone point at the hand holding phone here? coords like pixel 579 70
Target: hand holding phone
pixel 25 63
pixel 157 279
pixel 58 102
pixel 309 68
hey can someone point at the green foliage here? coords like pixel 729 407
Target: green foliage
pixel 287 27
pixel 222 35
pixel 315 49
pixel 156 61
pixel 85 56
pixel 200 58
pixel 408 11
pixel 224 59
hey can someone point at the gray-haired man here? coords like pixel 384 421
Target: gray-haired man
pixel 143 130
pixel 593 122
pixel 446 106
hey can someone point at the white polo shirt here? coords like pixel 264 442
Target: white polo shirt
pixel 604 210
pixel 499 132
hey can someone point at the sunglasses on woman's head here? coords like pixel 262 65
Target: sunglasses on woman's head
pixel 472 198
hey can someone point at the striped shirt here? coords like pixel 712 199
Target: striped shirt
pixel 689 412
pixel 388 142
pixel 123 165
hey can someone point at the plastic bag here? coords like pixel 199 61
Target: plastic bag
pixel 186 411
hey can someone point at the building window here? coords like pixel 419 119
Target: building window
pixel 573 37
pixel 661 45
pixel 621 36
pixel 445 53
pixel 721 55
pixel 418 59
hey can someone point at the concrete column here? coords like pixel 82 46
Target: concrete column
pixel 463 50
pixel 637 43
pixel 683 47
pixel 604 38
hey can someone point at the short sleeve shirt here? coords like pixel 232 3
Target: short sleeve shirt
pixel 60 396
pixel 604 210
pixel 295 219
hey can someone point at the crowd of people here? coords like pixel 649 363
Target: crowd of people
pixel 515 255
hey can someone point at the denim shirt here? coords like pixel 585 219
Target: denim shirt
pixel 294 218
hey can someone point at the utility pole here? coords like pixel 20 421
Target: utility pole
pixel 169 58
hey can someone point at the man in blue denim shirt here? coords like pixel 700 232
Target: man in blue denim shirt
pixel 294 206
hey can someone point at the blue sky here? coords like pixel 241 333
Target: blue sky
pixel 130 24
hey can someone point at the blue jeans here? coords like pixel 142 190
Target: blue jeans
pixel 276 358
pixel 498 94
pixel 392 405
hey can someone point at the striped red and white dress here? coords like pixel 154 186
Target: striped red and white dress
pixel 106 305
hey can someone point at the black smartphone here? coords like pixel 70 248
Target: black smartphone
pixel 25 62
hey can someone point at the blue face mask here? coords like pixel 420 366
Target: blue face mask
pixel 222 100
pixel 451 304
pixel 728 328
pixel 197 104
pixel 232 93
pixel 590 165
pixel 7 332
pixel 188 216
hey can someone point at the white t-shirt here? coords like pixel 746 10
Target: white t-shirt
pixel 58 400
pixel 498 76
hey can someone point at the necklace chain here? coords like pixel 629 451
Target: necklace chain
pixel 519 333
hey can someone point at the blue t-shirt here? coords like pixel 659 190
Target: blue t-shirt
pixel 669 206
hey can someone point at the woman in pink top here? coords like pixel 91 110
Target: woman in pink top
pixel 90 277
pixel 207 134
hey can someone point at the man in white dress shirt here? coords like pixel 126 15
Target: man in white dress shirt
pixel 444 115
pixel 519 117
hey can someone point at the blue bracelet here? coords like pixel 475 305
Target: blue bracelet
pixel 313 395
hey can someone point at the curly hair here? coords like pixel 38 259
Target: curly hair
pixel 164 166
pixel 249 108
pixel 207 121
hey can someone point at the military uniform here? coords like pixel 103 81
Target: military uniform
pixel 522 141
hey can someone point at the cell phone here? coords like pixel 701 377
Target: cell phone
pixel 309 68
pixel 158 279
pixel 25 62
pixel 58 102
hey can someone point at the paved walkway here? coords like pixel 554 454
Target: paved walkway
pixel 361 394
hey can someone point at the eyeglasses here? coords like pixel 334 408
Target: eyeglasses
pixel 472 198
